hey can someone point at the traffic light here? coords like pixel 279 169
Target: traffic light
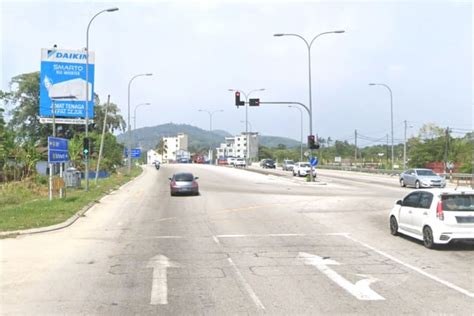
pixel 254 102
pixel 312 144
pixel 86 146
pixel 237 99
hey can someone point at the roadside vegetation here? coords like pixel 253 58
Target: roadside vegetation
pixel 431 144
pixel 25 204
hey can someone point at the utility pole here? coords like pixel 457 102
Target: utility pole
pixel 387 149
pixel 446 150
pixel 405 147
pixel 102 139
pixel 355 156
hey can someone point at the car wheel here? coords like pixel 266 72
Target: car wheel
pixel 393 226
pixel 299 174
pixel 417 184
pixel 402 183
pixel 428 237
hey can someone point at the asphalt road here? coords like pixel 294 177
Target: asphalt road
pixel 249 244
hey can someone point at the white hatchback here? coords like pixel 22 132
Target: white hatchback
pixel 435 216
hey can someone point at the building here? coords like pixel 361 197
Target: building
pixel 175 147
pixel 152 156
pixel 237 146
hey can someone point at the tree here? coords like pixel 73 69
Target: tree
pixel 115 121
pixel 24 97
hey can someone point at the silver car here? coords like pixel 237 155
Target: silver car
pixel 421 178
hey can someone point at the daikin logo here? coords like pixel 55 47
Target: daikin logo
pixel 70 55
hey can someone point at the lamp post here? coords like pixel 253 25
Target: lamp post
pixel 129 156
pixel 247 95
pixel 301 132
pixel 309 45
pixel 210 128
pixel 391 112
pixel 86 160
pixel 248 122
pixel 135 114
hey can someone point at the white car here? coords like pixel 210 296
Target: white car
pixel 302 169
pixel 231 160
pixel 435 216
pixel 239 162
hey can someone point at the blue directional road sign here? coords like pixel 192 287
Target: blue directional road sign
pixel 313 161
pixel 136 152
pixel 57 150
pixel 63 81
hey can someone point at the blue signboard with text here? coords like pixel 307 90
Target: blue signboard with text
pixel 63 81
pixel 136 152
pixel 57 150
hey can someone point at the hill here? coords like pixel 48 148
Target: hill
pixel 149 137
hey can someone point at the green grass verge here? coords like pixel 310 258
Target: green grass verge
pixel 26 205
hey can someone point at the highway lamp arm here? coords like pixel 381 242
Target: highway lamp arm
pixel 129 156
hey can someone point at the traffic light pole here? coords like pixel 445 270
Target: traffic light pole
pixel 310 125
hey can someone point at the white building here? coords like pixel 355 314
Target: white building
pixel 174 147
pixel 153 156
pixel 237 146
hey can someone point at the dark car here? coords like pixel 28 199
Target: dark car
pixel 184 183
pixel 268 164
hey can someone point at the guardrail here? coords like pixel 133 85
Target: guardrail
pixel 458 178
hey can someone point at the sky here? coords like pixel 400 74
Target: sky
pixel 198 50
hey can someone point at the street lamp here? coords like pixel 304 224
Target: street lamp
pixel 309 45
pixel 391 111
pixel 301 132
pixel 86 160
pixel 247 95
pixel 135 114
pixel 210 128
pixel 129 156
pixel 248 124
pixel 210 116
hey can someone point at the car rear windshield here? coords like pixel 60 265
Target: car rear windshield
pixel 184 177
pixel 458 203
pixel 305 165
pixel 426 173
pixel 290 162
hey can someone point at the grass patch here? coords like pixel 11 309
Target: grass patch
pixel 25 204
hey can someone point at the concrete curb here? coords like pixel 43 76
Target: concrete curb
pixel 69 221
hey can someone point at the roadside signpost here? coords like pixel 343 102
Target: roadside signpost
pixel 57 153
pixel 136 152
pixel 313 161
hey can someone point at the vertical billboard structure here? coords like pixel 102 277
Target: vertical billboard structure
pixel 63 81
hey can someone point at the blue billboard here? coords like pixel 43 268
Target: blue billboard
pixel 57 150
pixel 63 81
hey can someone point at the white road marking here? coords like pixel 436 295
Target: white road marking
pixel 159 288
pixel 247 287
pixel 263 235
pixel 168 237
pixel 409 266
pixel 279 235
pixel 361 289
pixel 166 219
pixel 216 240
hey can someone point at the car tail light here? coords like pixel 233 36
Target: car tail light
pixel 194 184
pixel 439 211
pixel 173 183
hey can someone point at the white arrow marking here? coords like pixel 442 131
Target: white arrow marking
pixel 361 290
pixel 159 288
